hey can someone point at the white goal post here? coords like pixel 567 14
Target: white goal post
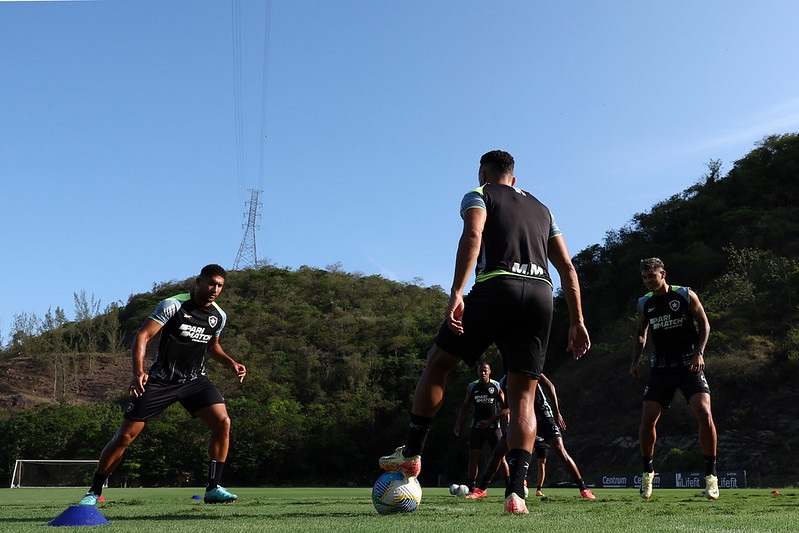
pixel 46 473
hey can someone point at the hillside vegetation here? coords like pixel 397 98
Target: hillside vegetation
pixel 333 357
pixel 733 239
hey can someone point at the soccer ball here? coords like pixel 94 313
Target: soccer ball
pixel 462 491
pixel 395 493
pixel 453 489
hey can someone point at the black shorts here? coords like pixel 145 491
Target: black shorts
pixel 547 429
pixel 541 448
pixel 478 437
pixel 662 386
pixel 512 312
pixel 193 396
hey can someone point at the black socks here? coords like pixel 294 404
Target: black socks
pixel 417 433
pixel 518 462
pixel 214 474
pixel 98 482
pixel 710 465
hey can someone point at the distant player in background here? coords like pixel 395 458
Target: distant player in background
pixel 550 423
pixel 540 452
pixel 488 400
pixel 190 325
pixel 680 330
pixel 510 237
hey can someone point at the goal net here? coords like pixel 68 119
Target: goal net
pixel 53 473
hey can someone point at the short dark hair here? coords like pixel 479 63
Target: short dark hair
pixel 651 263
pixel 209 271
pixel 497 162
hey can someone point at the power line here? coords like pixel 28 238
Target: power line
pixel 264 90
pixel 247 255
pixel 238 113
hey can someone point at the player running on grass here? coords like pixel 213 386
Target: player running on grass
pixel 190 325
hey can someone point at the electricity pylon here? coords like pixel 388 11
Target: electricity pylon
pixel 248 255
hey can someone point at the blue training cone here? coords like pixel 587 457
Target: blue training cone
pixel 79 515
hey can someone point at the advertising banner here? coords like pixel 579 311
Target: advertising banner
pixel 673 480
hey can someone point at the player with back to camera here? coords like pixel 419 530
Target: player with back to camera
pixel 509 237
pixel 190 325
pixel 488 399
pixel 680 329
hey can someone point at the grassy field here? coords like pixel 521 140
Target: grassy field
pixel 350 510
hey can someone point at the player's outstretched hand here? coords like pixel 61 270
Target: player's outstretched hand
pixel 137 383
pixel 240 371
pixel 455 313
pixel 579 342
pixel 697 363
pixel 560 421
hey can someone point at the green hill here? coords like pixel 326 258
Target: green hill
pixel 733 239
pixel 333 357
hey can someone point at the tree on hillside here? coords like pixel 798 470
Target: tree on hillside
pixel 752 207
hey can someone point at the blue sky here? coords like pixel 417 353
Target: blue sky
pixel 129 136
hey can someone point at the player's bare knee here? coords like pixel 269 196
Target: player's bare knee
pixel 123 439
pixel 705 418
pixel 222 425
pixel 648 421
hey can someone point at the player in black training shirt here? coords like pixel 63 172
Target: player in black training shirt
pixel 550 423
pixel 190 325
pixel 677 322
pixel 488 399
pixel 509 238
